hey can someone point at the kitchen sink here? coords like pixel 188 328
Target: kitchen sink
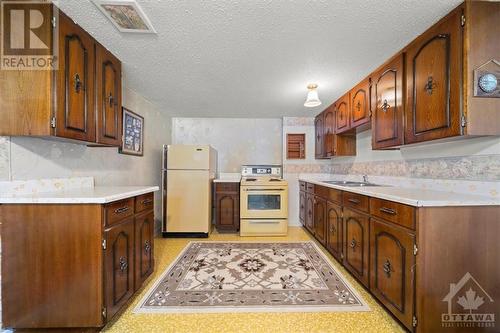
pixel 351 183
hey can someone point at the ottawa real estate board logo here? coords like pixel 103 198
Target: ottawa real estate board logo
pixel 469 305
pixel 28 35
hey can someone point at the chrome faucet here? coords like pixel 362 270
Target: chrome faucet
pixel 365 178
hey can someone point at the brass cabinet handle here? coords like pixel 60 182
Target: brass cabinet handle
pixel 387 210
pixel 333 229
pixel 387 268
pixel 121 210
pixel 430 85
pixel 354 201
pixel 147 247
pixel 353 244
pixel 123 264
pixel 78 83
pixel 146 201
pixel 385 106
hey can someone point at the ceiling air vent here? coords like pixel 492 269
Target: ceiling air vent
pixel 126 15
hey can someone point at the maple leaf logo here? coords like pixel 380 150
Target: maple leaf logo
pixel 470 301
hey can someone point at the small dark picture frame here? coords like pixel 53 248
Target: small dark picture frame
pixel 132 134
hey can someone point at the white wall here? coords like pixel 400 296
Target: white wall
pixel 31 158
pixel 238 141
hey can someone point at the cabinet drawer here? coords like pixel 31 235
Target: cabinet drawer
pixel 334 195
pixel 310 188
pixel 356 201
pixel 227 187
pixel 144 202
pixel 321 191
pixel 302 186
pixel 394 212
pixel 117 211
pixel 263 227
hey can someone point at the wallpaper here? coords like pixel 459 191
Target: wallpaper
pixel 24 158
pixel 238 141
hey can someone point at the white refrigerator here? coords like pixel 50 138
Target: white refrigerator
pixel 188 173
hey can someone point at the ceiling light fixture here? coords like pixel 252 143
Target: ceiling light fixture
pixel 312 96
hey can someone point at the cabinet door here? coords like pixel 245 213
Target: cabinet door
pixel 357 242
pixel 320 219
pixel 227 211
pixel 342 122
pixel 319 148
pixel 108 97
pixel 360 104
pixel 388 105
pixel 75 113
pixel 329 131
pixel 119 265
pixel 302 207
pixel 392 261
pixel 334 230
pixel 434 70
pixel 144 249
pixel 310 212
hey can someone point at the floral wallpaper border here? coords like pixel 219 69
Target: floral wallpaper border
pixel 479 168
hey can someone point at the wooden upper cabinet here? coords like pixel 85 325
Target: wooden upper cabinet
pixel 388 104
pixel 434 68
pixel 342 119
pixel 360 104
pixel 329 131
pixel 319 148
pixel 75 114
pixel 108 97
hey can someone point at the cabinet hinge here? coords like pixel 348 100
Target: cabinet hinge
pixel 463 121
pixel 415 249
pixel 104 244
pixel 53 122
pixel 54 22
pixel 462 20
pixel 414 321
pixel 104 312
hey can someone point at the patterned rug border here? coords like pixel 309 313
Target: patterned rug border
pixel 140 308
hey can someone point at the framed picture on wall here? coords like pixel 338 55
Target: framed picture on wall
pixel 133 134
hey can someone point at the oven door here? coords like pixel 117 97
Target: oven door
pixel 263 202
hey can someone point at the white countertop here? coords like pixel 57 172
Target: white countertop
pixel 228 178
pixel 413 196
pixel 90 195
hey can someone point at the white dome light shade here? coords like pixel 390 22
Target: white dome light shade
pixel 312 96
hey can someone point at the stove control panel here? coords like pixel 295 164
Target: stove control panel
pixel 261 170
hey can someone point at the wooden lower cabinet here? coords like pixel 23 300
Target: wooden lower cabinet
pixel 227 207
pixel 392 268
pixel 310 212
pixel 302 207
pixel 320 219
pixel 357 244
pixel 119 265
pixel 334 230
pixel 73 266
pixel 144 254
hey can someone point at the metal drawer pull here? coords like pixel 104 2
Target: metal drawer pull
pixel 123 264
pixel 354 201
pixel 121 210
pixel 387 268
pixel 146 201
pixel 387 210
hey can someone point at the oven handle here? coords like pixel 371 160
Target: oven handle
pixel 264 189
pixel 264 222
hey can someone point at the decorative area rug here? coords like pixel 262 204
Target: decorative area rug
pixel 251 277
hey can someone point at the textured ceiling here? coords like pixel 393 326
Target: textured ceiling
pixel 246 58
